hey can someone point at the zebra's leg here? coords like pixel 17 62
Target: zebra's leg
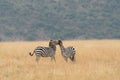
pixel 66 59
pixel 37 58
pixel 53 58
pixel 72 58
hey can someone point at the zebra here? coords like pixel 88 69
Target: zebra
pixel 41 51
pixel 68 52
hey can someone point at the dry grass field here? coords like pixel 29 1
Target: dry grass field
pixel 95 60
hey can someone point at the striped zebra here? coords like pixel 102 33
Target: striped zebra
pixel 41 51
pixel 68 52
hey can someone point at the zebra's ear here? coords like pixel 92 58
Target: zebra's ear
pixel 60 41
pixel 51 40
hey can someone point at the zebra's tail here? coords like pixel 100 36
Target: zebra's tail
pixel 31 54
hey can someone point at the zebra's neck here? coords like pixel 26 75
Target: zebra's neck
pixel 62 48
pixel 53 47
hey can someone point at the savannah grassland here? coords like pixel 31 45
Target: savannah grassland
pixel 95 60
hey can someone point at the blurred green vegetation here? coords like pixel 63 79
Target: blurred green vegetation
pixel 59 19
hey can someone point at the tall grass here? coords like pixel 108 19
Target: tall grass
pixel 95 60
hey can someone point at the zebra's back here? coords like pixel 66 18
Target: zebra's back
pixel 42 51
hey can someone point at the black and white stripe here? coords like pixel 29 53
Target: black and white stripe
pixel 68 52
pixel 41 51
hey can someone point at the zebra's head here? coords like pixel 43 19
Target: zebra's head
pixel 53 42
pixel 60 42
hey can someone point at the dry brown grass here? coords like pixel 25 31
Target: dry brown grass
pixel 95 60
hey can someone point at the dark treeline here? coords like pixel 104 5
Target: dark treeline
pixel 59 19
